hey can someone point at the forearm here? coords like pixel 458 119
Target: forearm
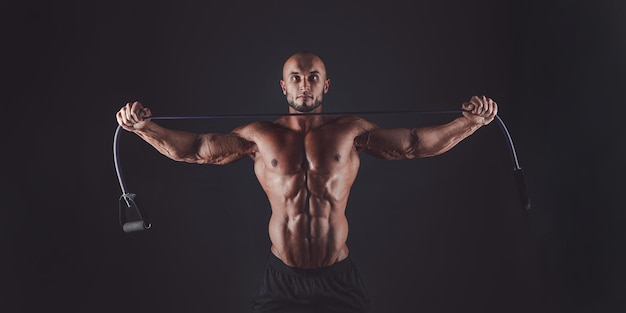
pixel 434 140
pixel 175 144
pixel 189 147
pixel 405 143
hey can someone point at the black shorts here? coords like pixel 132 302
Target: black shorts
pixel 336 288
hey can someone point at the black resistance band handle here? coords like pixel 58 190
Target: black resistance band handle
pixel 127 203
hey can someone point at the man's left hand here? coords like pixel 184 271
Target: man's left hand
pixel 480 110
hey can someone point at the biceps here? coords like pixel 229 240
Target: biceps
pixel 221 148
pixel 391 144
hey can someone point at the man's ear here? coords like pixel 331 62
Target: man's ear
pixel 326 86
pixel 282 86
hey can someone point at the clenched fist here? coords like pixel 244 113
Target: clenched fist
pixel 130 116
pixel 480 110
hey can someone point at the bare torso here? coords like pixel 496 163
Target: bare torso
pixel 306 166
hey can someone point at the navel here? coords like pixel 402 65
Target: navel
pixel 274 162
pixel 337 157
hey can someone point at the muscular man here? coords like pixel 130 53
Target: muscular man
pixel 306 165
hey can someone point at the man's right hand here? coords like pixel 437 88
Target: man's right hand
pixel 130 116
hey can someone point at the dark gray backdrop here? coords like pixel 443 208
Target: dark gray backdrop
pixel 443 234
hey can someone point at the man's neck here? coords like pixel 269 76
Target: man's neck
pixel 305 121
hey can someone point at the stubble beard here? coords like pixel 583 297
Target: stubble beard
pixel 303 108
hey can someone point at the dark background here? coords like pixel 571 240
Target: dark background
pixel 443 234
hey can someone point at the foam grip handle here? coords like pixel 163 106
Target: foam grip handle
pixel 128 202
pixel 135 226
pixel 521 189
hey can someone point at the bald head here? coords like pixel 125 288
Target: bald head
pixel 304 59
pixel 304 81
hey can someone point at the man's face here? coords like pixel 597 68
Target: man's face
pixel 304 82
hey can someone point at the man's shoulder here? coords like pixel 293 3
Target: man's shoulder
pixel 255 127
pixel 356 121
pixel 349 119
pixel 258 125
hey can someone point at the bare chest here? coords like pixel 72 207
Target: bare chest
pixel 320 150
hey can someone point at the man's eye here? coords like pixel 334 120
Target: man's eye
pixel 314 78
pixel 295 78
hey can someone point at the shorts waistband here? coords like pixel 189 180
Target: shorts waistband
pixel 338 267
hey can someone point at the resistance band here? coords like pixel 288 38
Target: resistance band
pixel 127 201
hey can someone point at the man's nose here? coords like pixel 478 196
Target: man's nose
pixel 305 85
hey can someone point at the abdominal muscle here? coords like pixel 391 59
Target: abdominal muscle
pixel 308 230
pixel 305 241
